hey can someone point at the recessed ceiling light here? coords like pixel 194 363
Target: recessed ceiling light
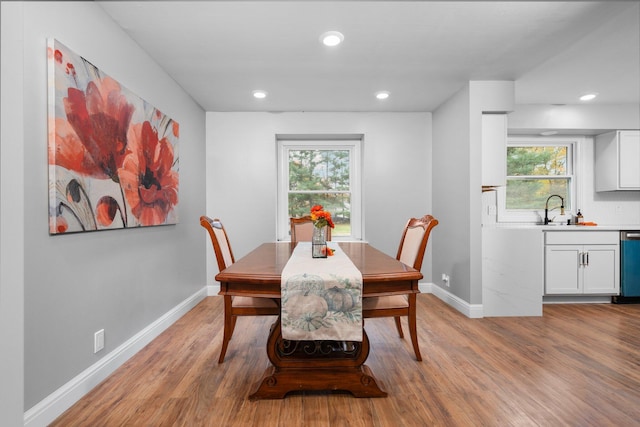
pixel 260 94
pixel 382 94
pixel 588 96
pixel 331 38
pixel 548 132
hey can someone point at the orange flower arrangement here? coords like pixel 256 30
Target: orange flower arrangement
pixel 322 218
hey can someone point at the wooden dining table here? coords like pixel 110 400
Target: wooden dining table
pixel 314 365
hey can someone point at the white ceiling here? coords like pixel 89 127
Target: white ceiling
pixel 420 51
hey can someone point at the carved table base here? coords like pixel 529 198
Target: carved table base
pixel 316 365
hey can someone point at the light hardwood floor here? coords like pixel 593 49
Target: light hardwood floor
pixel 578 365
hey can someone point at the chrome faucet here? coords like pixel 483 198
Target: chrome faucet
pixel 546 208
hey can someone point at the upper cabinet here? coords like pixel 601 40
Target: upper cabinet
pixel 494 150
pixel 617 160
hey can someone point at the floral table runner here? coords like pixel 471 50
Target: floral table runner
pixel 321 297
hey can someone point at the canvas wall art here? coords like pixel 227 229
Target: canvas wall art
pixel 113 157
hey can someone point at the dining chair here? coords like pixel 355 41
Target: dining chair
pixel 302 229
pixel 413 245
pixel 234 306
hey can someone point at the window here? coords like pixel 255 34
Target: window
pixel 320 172
pixel 536 169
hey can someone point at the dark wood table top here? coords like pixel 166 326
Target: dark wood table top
pixel 258 273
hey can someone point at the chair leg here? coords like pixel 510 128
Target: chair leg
pixel 413 330
pixel 399 326
pixel 233 326
pixel 228 327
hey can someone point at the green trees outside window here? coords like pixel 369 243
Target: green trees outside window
pixel 321 177
pixel 536 172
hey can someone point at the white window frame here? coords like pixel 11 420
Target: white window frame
pixel 536 216
pixel 351 143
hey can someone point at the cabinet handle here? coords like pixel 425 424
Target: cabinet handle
pixel 584 259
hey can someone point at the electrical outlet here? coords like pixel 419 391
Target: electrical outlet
pixel 98 341
pixel 445 279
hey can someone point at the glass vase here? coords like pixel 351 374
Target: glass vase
pixel 319 242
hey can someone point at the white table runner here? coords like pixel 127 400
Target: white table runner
pixel 321 297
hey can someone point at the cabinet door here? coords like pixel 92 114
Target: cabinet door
pixel 494 150
pixel 562 269
pixel 629 152
pixel 601 272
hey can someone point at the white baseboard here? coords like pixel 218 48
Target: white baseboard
pixel 47 410
pixel 473 311
pixel 576 299
pixel 212 290
pixel 426 288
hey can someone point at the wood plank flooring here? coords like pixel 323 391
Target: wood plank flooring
pixel 578 365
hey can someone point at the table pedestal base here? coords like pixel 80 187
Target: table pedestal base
pixel 316 366
pixel 358 381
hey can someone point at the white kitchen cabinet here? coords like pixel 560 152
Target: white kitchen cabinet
pixel 494 150
pixel 582 262
pixel 617 160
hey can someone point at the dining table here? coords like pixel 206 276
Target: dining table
pixel 316 365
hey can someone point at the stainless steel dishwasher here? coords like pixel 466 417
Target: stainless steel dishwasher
pixel 629 267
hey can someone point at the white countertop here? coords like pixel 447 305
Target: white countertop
pixel 564 227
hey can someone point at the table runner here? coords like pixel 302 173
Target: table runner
pixel 321 297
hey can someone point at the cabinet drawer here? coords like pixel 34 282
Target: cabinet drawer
pixel 582 237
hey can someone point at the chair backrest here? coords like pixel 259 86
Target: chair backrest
pixel 302 229
pixel 414 240
pixel 220 241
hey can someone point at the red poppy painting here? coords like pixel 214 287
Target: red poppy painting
pixel 113 158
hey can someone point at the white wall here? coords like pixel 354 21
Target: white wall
pixel 451 193
pixel 584 121
pixel 606 208
pixel 603 208
pixel 457 196
pixel 241 172
pixel 76 284
pixel 11 220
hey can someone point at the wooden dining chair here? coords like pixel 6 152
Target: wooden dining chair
pixel 413 245
pixel 302 229
pixel 234 306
